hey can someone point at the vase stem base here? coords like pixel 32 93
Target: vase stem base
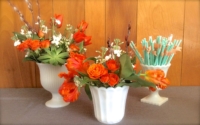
pixel 155 100
pixel 56 103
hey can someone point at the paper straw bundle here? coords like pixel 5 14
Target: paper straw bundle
pixel 157 52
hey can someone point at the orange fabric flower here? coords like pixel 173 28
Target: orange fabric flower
pixel 104 78
pixel 68 76
pixel 95 71
pixel 45 44
pixel 113 79
pixel 69 91
pixel 74 47
pixel 82 26
pixel 81 37
pixel 23 46
pixel 87 40
pixel 40 34
pixel 59 20
pixel 34 44
pixel 157 77
pixel 112 65
pixel 75 62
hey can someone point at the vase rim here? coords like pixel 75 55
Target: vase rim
pixel 118 87
pixel 48 64
pixel 156 65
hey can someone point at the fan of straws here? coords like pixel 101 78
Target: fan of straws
pixel 157 52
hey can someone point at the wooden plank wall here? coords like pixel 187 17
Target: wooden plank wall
pixel 107 19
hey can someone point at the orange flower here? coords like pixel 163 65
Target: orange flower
pixel 34 44
pixel 95 71
pixel 40 34
pixel 112 65
pixel 113 79
pixel 81 37
pixel 104 78
pixel 157 77
pixel 68 76
pixel 87 40
pixel 59 20
pixel 45 44
pixel 69 91
pixel 74 47
pixel 75 62
pixel 23 46
pixel 82 26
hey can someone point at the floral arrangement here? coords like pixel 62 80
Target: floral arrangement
pixel 157 52
pixel 48 45
pixel 112 68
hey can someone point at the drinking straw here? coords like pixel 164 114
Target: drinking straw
pixel 177 45
pixel 133 47
pixel 144 52
pixel 147 53
pixel 158 41
pixel 164 43
pixel 152 50
pixel 170 45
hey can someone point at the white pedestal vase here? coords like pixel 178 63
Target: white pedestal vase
pixel 109 103
pixel 154 97
pixel 51 82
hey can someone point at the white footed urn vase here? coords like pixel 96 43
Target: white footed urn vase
pixel 154 98
pixel 109 103
pixel 51 82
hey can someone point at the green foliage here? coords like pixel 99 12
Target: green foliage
pixel 126 66
pixel 20 36
pixel 127 73
pixel 88 92
pixel 54 56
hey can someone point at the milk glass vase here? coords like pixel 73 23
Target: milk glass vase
pixel 154 98
pixel 109 103
pixel 51 82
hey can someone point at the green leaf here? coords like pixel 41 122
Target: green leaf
pixel 45 56
pixel 61 61
pixel 29 59
pixel 81 47
pixel 45 61
pixel 90 58
pixel 63 55
pixel 47 51
pixel 58 50
pixel 139 82
pixel 126 66
pixel 35 37
pixel 20 36
pixel 88 92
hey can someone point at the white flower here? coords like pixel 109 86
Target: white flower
pixel 117 52
pixel 44 29
pixel 16 43
pixel 27 53
pixel 108 57
pixel 58 22
pixel 28 34
pixel 56 39
pixel 22 32
pixel 77 82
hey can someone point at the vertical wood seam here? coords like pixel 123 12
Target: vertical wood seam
pixel 183 38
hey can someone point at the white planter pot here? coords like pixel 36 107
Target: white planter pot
pixel 109 104
pixel 51 82
pixel 154 98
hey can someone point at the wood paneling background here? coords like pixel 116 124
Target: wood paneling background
pixel 107 19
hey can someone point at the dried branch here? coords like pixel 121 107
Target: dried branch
pixel 38 17
pixel 20 15
pixel 31 10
